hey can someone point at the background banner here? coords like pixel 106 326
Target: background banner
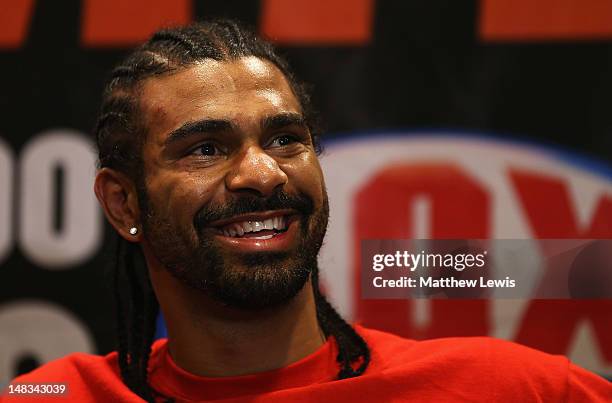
pixel 444 121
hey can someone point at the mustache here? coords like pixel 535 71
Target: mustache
pixel 279 200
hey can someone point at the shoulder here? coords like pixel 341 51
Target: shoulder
pixel 81 374
pixel 477 351
pixel 88 378
pixel 492 365
pixel 72 366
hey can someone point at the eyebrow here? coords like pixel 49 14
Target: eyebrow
pixel 211 126
pixel 198 127
pixel 281 120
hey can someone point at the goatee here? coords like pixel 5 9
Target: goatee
pixel 242 280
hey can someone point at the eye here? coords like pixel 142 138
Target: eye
pixel 207 149
pixel 283 141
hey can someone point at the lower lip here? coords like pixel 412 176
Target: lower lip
pixel 281 241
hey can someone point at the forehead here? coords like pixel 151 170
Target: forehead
pixel 241 90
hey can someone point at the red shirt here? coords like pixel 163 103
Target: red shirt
pixel 477 369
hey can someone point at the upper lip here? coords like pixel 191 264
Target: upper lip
pixel 261 216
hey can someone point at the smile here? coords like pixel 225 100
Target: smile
pixel 256 229
pixel 270 231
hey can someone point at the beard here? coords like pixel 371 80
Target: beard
pixel 251 281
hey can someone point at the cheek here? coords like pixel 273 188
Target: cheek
pixel 305 175
pixel 179 197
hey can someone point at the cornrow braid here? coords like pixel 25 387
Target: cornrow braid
pixel 196 50
pixel 352 348
pixel 130 274
pixel 120 319
pixel 120 134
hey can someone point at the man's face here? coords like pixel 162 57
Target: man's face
pixel 233 202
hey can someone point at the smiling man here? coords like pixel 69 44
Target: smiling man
pixel 209 174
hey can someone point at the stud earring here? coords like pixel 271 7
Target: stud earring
pixel 133 231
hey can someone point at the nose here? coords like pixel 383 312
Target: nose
pixel 256 172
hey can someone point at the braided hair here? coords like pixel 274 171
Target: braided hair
pixel 120 134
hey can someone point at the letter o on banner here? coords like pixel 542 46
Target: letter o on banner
pixel 81 229
pixel 6 199
pixel 39 329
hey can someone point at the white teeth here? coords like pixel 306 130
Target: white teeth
pixel 263 237
pixel 281 225
pixel 241 228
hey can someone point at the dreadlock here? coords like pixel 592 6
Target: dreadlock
pixel 120 134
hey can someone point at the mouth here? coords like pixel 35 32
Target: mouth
pixel 272 230
pixel 256 227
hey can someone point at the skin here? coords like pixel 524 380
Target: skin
pixel 206 337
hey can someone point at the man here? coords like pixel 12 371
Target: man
pixel 209 174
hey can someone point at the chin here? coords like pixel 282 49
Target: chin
pixel 258 281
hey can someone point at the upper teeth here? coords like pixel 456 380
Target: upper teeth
pixel 241 228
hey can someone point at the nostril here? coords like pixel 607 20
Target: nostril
pixel 257 178
pixel 248 192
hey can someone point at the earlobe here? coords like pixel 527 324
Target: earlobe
pixel 118 198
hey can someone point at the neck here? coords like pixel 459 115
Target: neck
pixel 208 339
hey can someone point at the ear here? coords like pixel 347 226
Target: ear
pixel 119 200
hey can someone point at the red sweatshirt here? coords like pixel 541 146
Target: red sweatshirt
pixel 478 369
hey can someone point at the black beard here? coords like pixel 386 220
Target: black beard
pixel 243 280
